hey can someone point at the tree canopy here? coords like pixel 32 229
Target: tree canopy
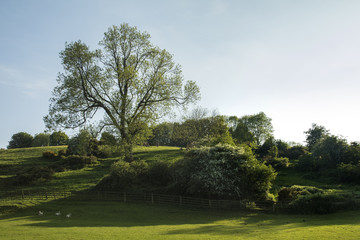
pixel 129 79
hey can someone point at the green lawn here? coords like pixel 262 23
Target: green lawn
pixel 114 220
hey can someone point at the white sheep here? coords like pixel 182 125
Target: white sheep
pixel 68 215
pixel 40 213
pixel 58 213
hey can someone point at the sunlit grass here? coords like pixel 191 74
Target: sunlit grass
pixel 115 220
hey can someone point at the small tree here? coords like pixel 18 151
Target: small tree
pixel 314 135
pixel 58 139
pixel 20 140
pixel 41 139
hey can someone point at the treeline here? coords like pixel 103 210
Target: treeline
pixel 25 140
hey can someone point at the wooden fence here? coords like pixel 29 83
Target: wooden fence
pixel 134 197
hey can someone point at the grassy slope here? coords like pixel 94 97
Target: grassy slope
pixel 111 220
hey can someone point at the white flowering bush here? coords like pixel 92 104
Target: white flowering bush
pixel 225 171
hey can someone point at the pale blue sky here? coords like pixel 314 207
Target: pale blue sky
pixel 297 61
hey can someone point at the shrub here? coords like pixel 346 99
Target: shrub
pixel 40 140
pixel 278 162
pixel 128 174
pixel 49 154
pixel 349 173
pixel 77 162
pixel 61 152
pixel 160 173
pixel 287 194
pixel 322 203
pixel 58 139
pixel 33 175
pixel 224 171
pixel 20 140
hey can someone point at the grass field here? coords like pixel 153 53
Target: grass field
pixel 116 220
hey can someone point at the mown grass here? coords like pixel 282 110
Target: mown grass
pixel 115 220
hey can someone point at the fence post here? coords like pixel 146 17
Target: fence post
pixel 152 198
pixel 209 203
pixel 180 198
pixel 124 196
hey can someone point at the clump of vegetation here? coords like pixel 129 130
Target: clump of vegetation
pixel 77 161
pixel 49 154
pixel 287 194
pixel 33 175
pixel 322 203
pixel 20 140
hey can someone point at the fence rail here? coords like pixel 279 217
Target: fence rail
pixel 145 197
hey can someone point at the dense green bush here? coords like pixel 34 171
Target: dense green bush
pixel 349 173
pixel 287 194
pixel 77 162
pixel 33 175
pixel 49 154
pixel 20 140
pixel 307 163
pixel 40 140
pixel 224 171
pixel 160 173
pixel 278 162
pixel 58 139
pixel 322 203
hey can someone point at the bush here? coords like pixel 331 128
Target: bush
pixel 49 154
pixel 126 174
pixel 58 139
pixel 20 140
pixel 224 171
pixel 77 162
pixel 33 175
pixel 160 173
pixel 322 203
pixel 349 173
pixel 287 194
pixel 278 162
pixel 40 140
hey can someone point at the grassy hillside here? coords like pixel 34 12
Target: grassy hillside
pixel 117 220
pixel 14 160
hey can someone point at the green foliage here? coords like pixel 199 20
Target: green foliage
pixel 314 135
pixel 162 134
pixel 108 139
pixel 58 139
pixel 330 151
pixel 205 131
pixel 49 154
pixel 250 128
pixel 278 162
pixel 130 79
pixel 307 163
pixel 83 144
pixel 322 203
pixel 20 140
pixel 125 175
pixel 33 175
pixel 77 162
pixel 287 194
pixel 41 140
pixel 349 173
pixel 224 171
pixel 160 173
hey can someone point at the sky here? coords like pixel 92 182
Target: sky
pixel 296 61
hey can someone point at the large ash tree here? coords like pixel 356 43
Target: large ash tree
pixel 132 81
